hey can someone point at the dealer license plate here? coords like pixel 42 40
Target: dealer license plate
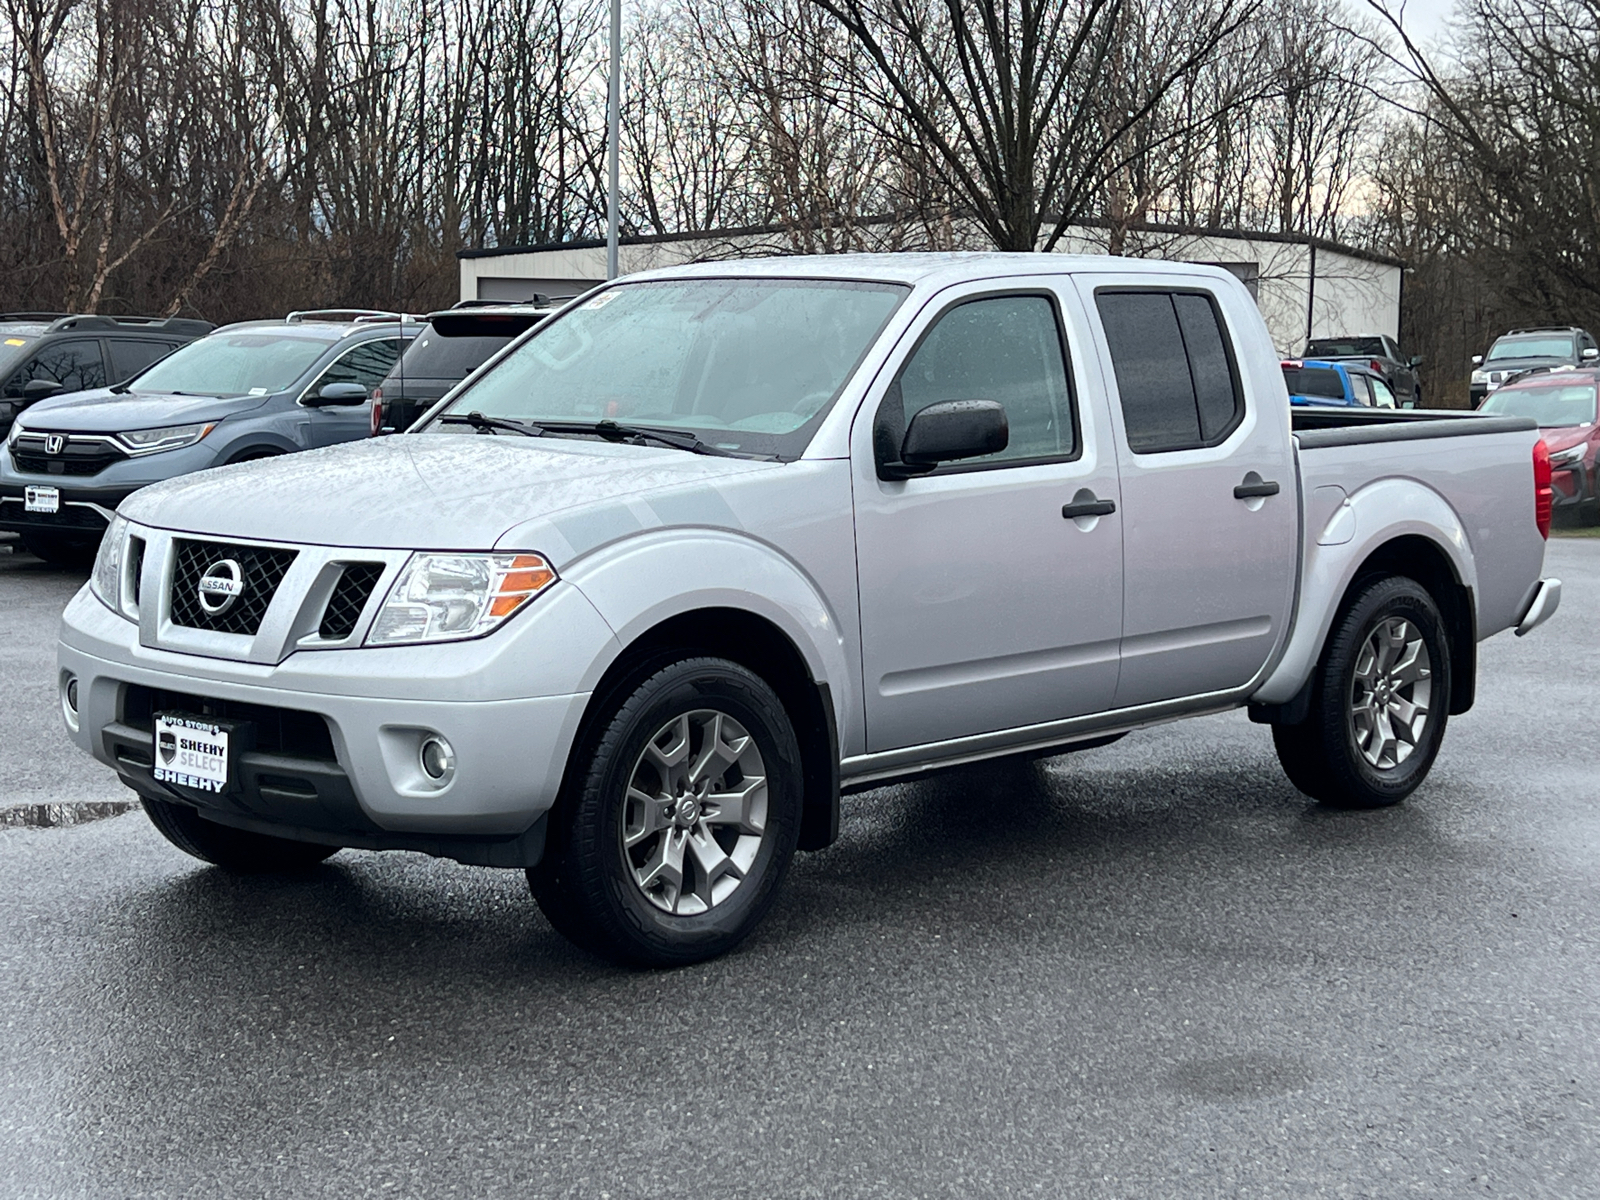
pixel 191 752
pixel 42 499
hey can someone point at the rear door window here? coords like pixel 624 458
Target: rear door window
pixel 1175 374
pixel 129 356
pixel 75 364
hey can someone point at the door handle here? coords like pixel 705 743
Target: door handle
pixel 1249 491
pixel 1088 508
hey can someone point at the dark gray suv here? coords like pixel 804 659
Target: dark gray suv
pixel 247 391
pixel 49 354
pixel 1523 350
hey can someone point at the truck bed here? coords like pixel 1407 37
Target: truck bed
pixel 1319 427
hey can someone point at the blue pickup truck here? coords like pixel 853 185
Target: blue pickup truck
pixel 1348 385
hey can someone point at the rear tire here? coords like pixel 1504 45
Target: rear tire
pixel 61 551
pixel 1379 703
pixel 682 815
pixel 232 849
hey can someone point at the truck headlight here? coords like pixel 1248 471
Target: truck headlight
pixel 1570 457
pixel 448 597
pixel 168 437
pixel 105 582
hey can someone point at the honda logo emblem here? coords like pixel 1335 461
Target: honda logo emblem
pixel 54 443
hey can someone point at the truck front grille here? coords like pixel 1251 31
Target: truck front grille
pixel 349 597
pixel 261 570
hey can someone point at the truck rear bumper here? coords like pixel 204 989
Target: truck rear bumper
pixel 1546 599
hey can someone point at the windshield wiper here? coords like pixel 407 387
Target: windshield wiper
pixel 613 432
pixel 485 424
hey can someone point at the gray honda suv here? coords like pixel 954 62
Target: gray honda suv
pixel 246 391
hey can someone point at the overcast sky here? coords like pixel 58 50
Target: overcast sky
pixel 1424 19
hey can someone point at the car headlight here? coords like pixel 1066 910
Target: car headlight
pixel 168 437
pixel 447 597
pixel 1569 457
pixel 1480 377
pixel 105 582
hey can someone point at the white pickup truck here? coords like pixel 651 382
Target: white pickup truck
pixel 636 603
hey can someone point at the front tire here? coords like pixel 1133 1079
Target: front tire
pixel 232 849
pixel 61 551
pixel 1379 703
pixel 677 830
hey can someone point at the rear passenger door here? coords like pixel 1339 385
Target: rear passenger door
pixel 129 356
pixel 1209 495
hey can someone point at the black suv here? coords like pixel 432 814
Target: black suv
pixel 1523 350
pixel 46 354
pixel 456 343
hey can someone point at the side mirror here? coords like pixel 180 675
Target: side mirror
pixel 1477 360
pixel 40 389
pixel 1590 354
pixel 946 432
pixel 342 394
pixel 1415 361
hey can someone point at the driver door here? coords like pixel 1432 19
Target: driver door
pixel 984 607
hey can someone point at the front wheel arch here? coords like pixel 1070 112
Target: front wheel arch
pixel 759 646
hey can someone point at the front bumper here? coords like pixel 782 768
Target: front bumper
pixel 340 730
pixel 88 501
pixel 85 511
pixel 1570 486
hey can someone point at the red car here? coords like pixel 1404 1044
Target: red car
pixel 1563 401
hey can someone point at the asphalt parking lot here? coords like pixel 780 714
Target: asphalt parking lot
pixel 1146 970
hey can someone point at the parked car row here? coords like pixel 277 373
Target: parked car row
pixel 184 396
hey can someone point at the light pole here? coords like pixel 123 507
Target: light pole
pixel 613 123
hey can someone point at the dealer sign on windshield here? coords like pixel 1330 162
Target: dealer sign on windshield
pixel 191 753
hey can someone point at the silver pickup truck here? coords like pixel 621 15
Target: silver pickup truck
pixel 641 598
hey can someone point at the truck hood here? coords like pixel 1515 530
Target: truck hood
pixel 1565 436
pixel 436 492
pixel 105 411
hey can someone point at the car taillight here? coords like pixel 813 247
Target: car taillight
pixel 1377 367
pixel 377 413
pixel 1541 488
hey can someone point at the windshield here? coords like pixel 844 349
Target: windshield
pixel 1345 348
pixel 1552 407
pixel 749 365
pixel 1547 346
pixel 233 364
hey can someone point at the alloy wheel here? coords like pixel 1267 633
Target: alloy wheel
pixel 695 812
pixel 1391 692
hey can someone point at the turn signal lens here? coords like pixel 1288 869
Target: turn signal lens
pixel 1542 496
pixel 529 575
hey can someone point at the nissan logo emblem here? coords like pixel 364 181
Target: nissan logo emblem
pixel 220 586
pixel 54 443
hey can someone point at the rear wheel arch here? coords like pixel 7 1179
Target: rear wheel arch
pixel 757 644
pixel 1424 560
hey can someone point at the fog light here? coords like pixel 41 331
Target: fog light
pixel 69 701
pixel 438 760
